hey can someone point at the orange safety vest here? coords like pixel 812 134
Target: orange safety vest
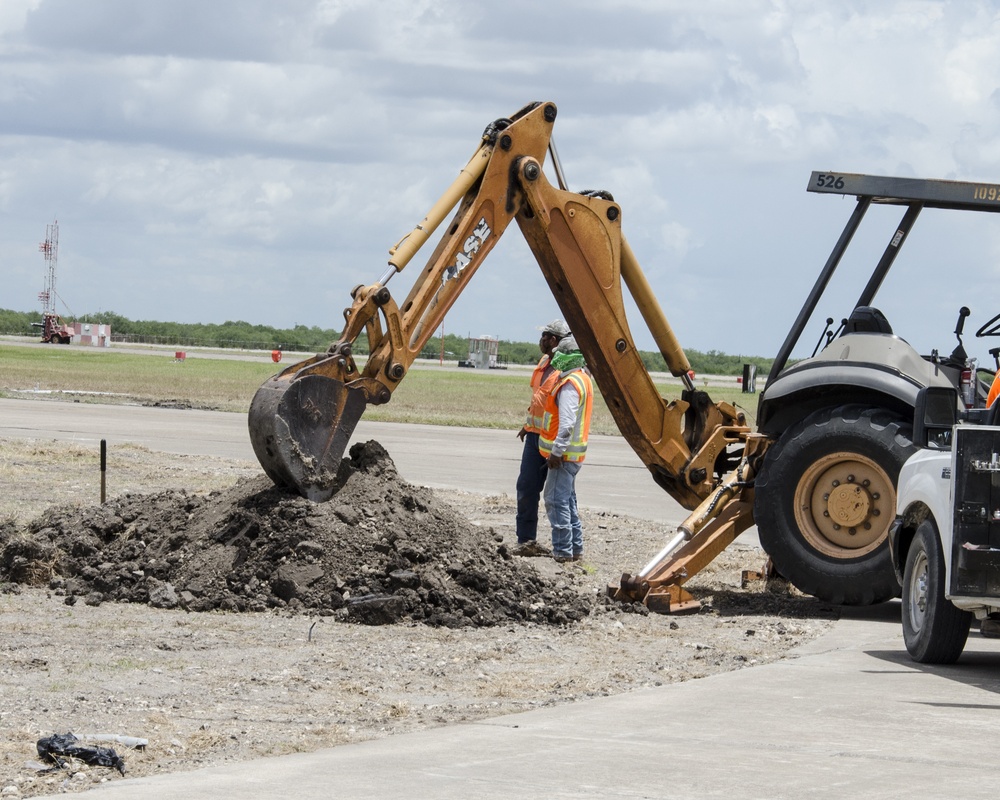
pixel 577 448
pixel 541 386
pixel 994 390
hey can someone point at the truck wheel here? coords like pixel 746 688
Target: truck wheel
pixel 934 630
pixel 825 498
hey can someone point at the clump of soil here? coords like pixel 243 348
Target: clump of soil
pixel 381 551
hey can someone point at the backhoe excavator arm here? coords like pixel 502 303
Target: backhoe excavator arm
pixel 302 418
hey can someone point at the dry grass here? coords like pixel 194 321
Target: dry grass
pixel 430 394
pixel 107 376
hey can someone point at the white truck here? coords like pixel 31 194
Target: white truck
pixel 945 539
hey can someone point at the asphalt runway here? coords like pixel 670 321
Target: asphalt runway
pixel 471 459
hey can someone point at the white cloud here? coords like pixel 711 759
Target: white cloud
pixel 255 160
pixel 13 14
pixel 971 67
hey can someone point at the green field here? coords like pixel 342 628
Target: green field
pixel 429 394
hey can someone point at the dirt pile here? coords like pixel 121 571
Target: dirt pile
pixel 380 551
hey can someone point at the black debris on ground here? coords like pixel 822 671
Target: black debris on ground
pixel 59 747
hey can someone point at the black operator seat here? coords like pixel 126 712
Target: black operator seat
pixel 867 319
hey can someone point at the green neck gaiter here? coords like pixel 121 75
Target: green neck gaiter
pixel 567 361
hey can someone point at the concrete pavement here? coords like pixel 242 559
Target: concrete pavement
pixel 846 715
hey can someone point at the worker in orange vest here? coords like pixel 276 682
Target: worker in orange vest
pixel 531 478
pixel 563 444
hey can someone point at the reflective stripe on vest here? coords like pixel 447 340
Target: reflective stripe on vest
pixel 540 390
pixel 576 450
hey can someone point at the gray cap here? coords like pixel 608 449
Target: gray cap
pixel 567 345
pixel 557 327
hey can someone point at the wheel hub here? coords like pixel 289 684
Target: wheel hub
pixel 849 505
pixel 844 504
pixel 918 591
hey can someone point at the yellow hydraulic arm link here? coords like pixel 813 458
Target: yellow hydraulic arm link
pixel 300 432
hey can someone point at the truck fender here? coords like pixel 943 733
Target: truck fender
pixel 924 490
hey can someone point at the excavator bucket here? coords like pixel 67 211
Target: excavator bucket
pixel 300 425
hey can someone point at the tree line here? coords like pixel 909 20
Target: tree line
pixel 231 334
pixel 245 336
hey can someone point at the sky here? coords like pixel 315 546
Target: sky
pixel 253 160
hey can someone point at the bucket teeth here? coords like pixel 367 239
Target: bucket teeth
pixel 300 428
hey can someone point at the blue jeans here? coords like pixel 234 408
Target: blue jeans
pixel 560 505
pixel 529 489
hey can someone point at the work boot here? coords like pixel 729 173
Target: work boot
pixel 531 549
pixel 990 628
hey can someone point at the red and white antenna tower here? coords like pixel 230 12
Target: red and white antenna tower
pixel 50 250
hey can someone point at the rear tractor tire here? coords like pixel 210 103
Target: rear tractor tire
pixel 825 498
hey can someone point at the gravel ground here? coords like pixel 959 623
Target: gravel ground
pixel 212 686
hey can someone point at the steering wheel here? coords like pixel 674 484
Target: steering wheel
pixel 989 328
